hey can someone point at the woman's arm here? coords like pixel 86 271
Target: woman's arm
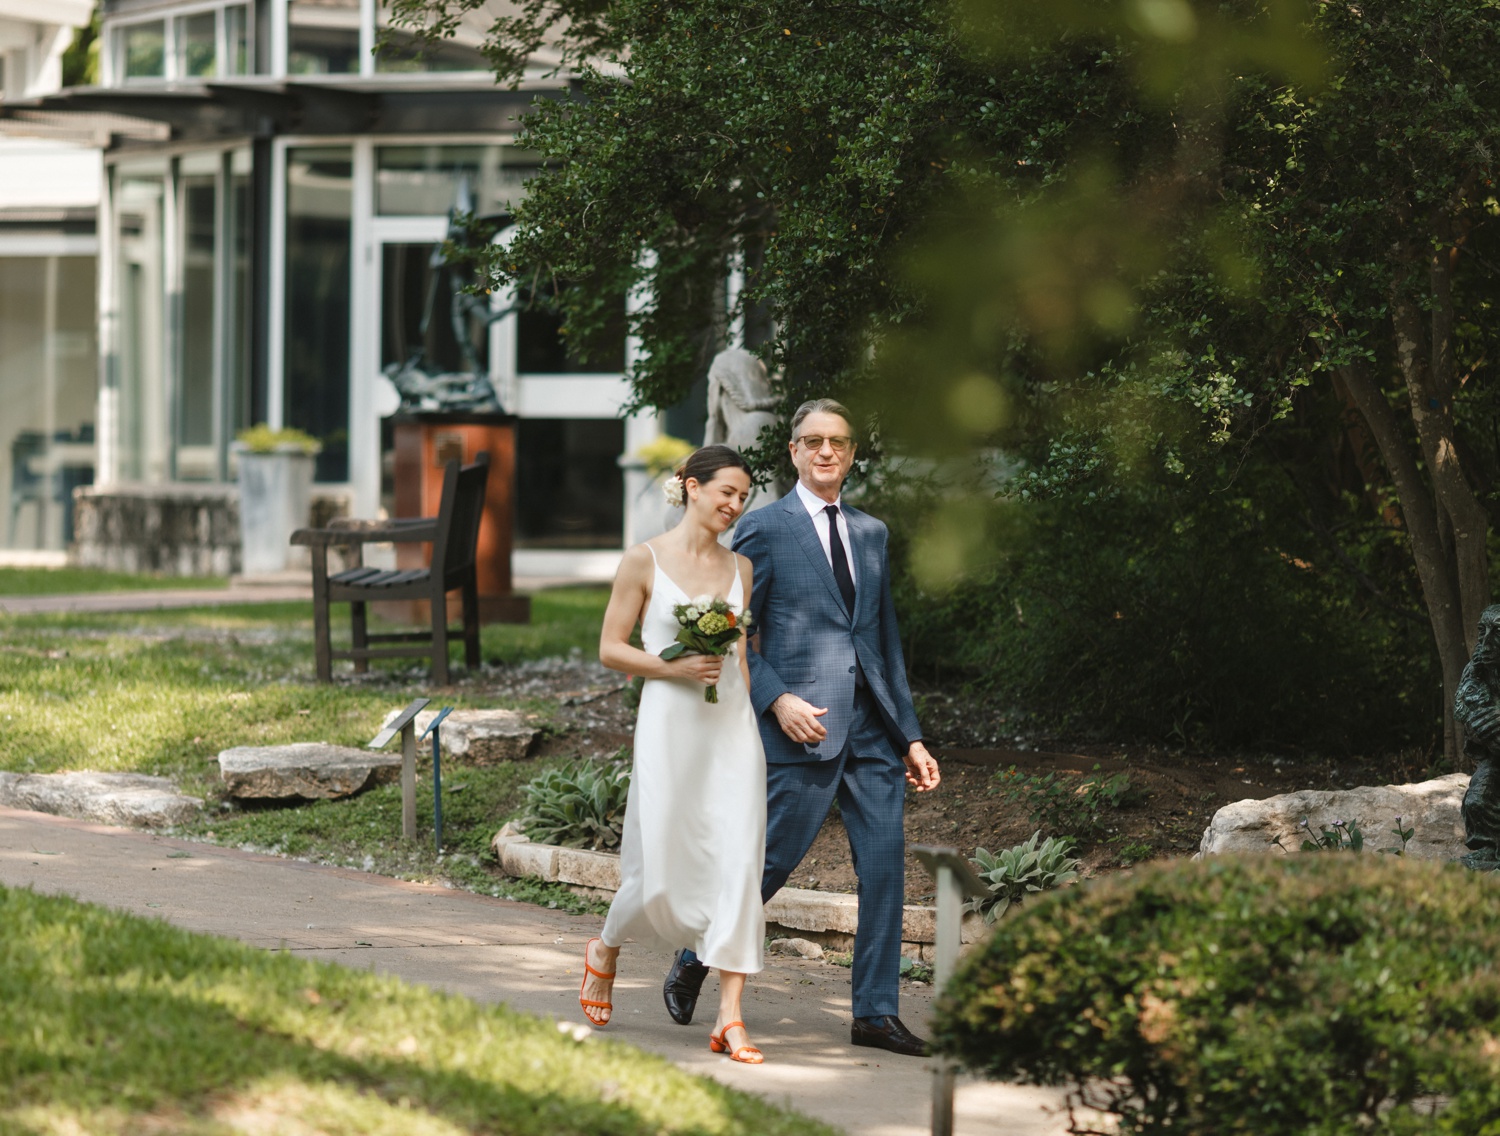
pixel 747 574
pixel 627 604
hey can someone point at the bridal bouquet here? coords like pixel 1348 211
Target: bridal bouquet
pixel 708 626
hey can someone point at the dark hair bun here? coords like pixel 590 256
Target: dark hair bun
pixel 704 464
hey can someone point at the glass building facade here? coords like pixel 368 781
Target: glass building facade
pixel 273 249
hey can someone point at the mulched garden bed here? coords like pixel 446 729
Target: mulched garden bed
pixel 1172 793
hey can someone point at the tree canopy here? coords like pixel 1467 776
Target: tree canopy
pixel 1095 236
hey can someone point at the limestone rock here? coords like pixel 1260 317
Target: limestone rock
pixel 1430 807
pixel 479 737
pixel 800 947
pixel 311 770
pixel 519 857
pixel 110 798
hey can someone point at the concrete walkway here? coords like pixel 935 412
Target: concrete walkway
pixel 155 599
pixel 528 957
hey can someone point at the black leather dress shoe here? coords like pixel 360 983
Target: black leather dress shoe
pixel 889 1034
pixel 681 988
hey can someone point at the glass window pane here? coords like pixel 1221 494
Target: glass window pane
pixel 195 46
pixel 144 50
pixel 237 40
pixel 424 180
pixel 319 203
pixel 237 305
pixel 196 402
pixel 47 384
pixel 142 390
pixel 542 348
pixel 323 37
pixel 460 52
pixel 570 491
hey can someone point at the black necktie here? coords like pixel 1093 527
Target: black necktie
pixel 840 562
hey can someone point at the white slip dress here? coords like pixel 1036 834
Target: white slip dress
pixel 693 847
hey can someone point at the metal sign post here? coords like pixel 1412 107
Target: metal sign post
pixel 956 882
pixel 403 724
pixel 437 775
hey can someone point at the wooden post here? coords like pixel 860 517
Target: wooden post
pixel 409 781
pixel 956 882
pixel 405 723
pixel 949 930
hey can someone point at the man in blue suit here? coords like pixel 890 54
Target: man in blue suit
pixel 829 685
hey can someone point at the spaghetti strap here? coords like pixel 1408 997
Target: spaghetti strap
pixel 652 551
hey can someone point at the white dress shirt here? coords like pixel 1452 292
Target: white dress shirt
pixel 815 506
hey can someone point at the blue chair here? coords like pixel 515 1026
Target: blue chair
pixel 26 484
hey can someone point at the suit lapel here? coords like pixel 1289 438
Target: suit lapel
pixel 807 537
pixel 866 564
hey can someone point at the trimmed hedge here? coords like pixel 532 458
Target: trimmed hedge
pixel 1312 995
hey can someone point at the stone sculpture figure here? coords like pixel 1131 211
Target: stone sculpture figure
pixel 1476 710
pixel 740 405
pixel 740 401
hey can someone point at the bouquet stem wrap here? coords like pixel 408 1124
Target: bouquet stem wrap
pixel 706 626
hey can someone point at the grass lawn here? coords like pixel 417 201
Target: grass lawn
pixel 63 581
pixel 114 1024
pixel 165 692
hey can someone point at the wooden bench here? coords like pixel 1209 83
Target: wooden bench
pixel 453 534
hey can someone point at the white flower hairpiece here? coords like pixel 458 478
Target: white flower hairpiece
pixel 674 491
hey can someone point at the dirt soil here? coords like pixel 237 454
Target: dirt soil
pixel 1173 793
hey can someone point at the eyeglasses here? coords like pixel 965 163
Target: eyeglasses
pixel 812 443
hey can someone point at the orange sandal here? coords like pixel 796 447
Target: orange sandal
pixel 745 1054
pixel 588 1003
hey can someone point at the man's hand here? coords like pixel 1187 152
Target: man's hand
pixel 799 719
pixel 921 768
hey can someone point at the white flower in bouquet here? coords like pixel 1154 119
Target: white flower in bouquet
pixel 703 603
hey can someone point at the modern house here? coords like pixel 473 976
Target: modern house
pixel 274 191
pixel 49 198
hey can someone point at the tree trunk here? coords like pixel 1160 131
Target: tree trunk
pixel 1432 410
pixel 1435 568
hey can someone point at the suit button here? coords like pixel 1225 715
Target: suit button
pixel 851 670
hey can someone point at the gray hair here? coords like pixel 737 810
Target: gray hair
pixel 819 406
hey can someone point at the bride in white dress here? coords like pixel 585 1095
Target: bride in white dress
pixel 693 847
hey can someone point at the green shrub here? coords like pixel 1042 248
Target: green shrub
pixel 1023 870
pixel 577 805
pixel 1197 612
pixel 1064 804
pixel 1309 995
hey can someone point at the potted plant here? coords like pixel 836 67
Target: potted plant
pixel 275 477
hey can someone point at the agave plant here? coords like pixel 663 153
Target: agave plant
pixel 581 805
pixel 1018 872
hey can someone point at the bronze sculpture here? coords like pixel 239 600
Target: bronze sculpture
pixel 469 390
pixel 1476 710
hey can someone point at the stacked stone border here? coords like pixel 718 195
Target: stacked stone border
pixel 823 917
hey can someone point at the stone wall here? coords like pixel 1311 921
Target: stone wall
pixel 172 529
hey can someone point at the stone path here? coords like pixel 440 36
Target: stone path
pixel 155 600
pixel 526 956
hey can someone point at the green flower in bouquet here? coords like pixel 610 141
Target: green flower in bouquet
pixel 713 622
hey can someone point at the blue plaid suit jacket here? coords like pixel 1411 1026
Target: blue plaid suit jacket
pixel 809 645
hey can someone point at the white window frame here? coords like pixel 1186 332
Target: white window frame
pixel 173 254
pixel 113 57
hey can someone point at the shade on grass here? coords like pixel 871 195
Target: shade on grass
pixel 110 1023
